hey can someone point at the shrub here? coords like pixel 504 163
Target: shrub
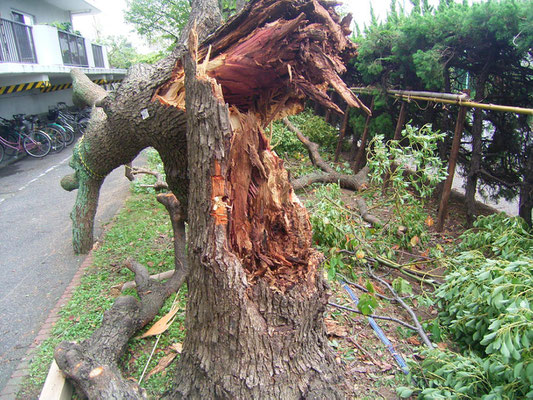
pixel 486 305
pixel 312 126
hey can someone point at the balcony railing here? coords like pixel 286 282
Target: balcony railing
pixel 16 42
pixel 73 49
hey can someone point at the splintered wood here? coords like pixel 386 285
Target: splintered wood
pixel 264 64
pixel 272 52
pixel 269 228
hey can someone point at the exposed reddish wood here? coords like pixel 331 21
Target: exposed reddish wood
pixel 290 59
pixel 269 227
pixel 447 189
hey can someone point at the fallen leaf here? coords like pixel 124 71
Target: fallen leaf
pixel 442 346
pixel 334 329
pixel 414 240
pixel 413 340
pixel 429 221
pixel 150 263
pixel 177 347
pixel 161 325
pixel 162 364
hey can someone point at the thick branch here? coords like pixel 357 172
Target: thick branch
pixel 84 91
pixel 93 364
pixel 352 182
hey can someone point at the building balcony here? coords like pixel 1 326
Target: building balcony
pixel 45 49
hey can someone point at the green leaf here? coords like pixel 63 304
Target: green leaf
pixel 401 286
pixel 367 304
pixel 404 392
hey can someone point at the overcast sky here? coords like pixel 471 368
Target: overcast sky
pixel 111 20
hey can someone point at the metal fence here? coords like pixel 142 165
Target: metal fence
pixel 16 42
pixel 73 49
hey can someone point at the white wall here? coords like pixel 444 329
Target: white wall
pixel 47 45
pixel 33 102
pixel 43 12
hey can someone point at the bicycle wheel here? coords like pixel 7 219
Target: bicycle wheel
pixel 66 129
pixel 57 137
pixel 13 139
pixel 1 152
pixel 37 144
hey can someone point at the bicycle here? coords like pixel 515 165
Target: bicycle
pixel 54 131
pixel 35 143
pixel 74 122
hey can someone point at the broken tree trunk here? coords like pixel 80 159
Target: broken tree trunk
pixel 254 271
pixel 256 289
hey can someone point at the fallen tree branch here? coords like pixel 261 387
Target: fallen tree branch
pixel 160 183
pixel 418 328
pixel 156 277
pixel 363 210
pixel 398 321
pixel 93 365
pixel 352 182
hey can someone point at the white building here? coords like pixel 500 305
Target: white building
pixel 36 57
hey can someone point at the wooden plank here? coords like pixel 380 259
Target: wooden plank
pixel 56 386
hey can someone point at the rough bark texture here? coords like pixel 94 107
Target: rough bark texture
pixel 526 191
pixel 117 133
pixel 255 309
pixel 256 291
pixel 93 365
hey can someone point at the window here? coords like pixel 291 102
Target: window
pixel 72 49
pixel 98 56
pixel 22 18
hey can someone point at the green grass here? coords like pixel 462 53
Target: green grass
pixel 141 231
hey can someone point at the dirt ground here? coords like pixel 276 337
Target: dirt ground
pixel 371 372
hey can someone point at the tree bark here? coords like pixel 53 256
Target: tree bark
pixel 256 289
pixel 256 293
pixel 525 205
pixel 447 188
pixel 477 150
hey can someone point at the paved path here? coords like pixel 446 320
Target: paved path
pixel 36 258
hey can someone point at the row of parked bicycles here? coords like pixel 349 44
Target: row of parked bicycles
pixel 27 133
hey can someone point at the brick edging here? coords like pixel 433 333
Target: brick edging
pixel 9 392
